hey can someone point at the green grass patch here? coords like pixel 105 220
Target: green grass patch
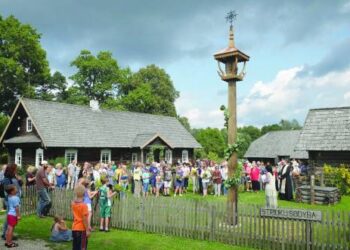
pixel 32 227
pixel 251 198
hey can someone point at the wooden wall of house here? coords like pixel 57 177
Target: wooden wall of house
pixel 91 155
pixel 19 121
pixel 265 160
pixel 28 153
pixel 334 158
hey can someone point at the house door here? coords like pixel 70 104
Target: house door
pixel 156 155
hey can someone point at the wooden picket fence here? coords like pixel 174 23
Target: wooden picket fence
pixel 203 220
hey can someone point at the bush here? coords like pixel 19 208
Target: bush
pixel 4 158
pixel 337 177
pixel 57 160
pixel 213 156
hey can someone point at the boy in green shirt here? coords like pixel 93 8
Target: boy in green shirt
pixel 103 201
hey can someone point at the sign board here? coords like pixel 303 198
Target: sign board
pixel 291 214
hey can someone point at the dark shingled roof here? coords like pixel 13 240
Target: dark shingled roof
pixel 274 144
pixel 326 129
pixel 67 125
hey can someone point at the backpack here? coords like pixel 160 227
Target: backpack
pixel 2 187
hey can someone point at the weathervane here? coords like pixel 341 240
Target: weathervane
pixel 231 16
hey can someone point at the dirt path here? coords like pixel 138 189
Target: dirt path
pixel 28 245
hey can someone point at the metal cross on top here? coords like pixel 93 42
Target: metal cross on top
pixel 231 16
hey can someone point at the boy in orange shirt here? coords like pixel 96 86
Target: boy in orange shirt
pixel 80 228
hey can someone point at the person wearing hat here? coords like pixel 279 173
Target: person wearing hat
pixel 42 184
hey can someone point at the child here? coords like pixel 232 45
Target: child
pixel 159 183
pixel 13 214
pixel 80 228
pixel 110 195
pixel 88 195
pixel 179 183
pixel 167 180
pixel 103 202
pixel 59 230
pixel 145 182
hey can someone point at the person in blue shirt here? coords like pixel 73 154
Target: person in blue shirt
pixel 153 170
pixel 13 214
pixel 10 178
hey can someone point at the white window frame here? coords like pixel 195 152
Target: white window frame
pixel 39 159
pixel 184 155
pixel 134 158
pixel 71 151
pixel 169 156
pixel 18 161
pixel 106 151
pixel 29 128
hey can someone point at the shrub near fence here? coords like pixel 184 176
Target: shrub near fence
pixel 207 221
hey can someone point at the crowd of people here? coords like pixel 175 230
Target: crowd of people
pixel 108 180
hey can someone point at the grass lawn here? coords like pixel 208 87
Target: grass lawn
pixel 33 228
pixel 251 198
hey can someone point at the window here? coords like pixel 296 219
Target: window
pixel 105 156
pixel 18 157
pixel 70 155
pixel 29 125
pixel 39 156
pixel 133 158
pixel 184 155
pixel 168 156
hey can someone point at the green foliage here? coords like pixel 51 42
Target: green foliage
pixel 235 180
pixel 338 177
pixel 4 158
pixel 200 153
pixel 23 63
pixel 282 125
pixel 213 156
pixel 230 149
pixel 57 160
pixel 97 76
pixel 253 132
pixel 268 128
pixel 141 100
pixel 4 119
pixel 184 121
pixel 160 94
pixel 118 188
pixel 54 89
pixel 211 139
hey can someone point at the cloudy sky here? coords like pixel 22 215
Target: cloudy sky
pixel 299 50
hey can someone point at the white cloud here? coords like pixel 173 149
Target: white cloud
pixel 347 97
pixel 188 106
pixel 291 95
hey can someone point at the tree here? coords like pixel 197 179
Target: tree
pixel 97 77
pixel 268 128
pixel 253 132
pixel 244 142
pixel 23 63
pixel 289 125
pixel 56 88
pixel 184 121
pixel 161 87
pixel 141 100
pixel 4 119
pixel 211 139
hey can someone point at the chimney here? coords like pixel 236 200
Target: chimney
pixel 94 105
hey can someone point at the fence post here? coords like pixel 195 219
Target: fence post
pixel 212 226
pixel 308 228
pixel 312 189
